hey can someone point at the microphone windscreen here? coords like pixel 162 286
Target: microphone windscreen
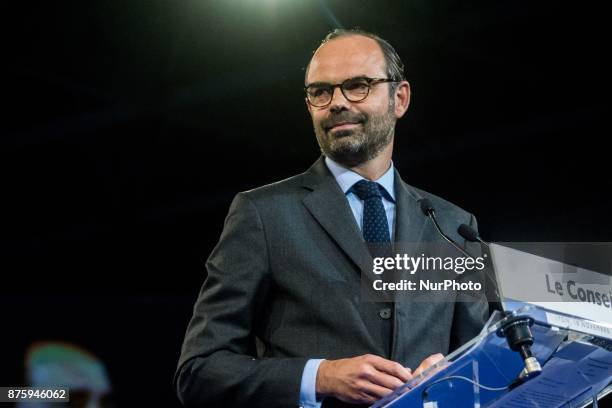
pixel 468 232
pixel 426 206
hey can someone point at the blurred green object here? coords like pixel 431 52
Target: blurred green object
pixel 67 365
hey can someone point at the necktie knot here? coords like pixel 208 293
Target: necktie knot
pixel 366 189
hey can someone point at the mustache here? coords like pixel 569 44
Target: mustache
pixel 343 117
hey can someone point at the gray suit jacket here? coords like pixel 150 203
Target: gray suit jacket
pixel 283 286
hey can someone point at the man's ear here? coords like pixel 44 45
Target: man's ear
pixel 402 98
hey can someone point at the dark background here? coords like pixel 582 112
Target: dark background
pixel 130 125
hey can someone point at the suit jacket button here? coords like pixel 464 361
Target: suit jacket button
pixel 385 313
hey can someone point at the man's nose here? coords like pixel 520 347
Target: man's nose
pixel 338 101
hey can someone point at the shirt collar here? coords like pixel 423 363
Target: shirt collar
pixel 346 178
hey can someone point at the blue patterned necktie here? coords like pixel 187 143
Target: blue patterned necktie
pixel 375 227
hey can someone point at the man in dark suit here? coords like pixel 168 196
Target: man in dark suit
pixel 279 321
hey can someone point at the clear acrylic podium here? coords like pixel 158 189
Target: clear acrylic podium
pixel 576 371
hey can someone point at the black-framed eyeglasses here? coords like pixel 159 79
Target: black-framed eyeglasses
pixel 319 94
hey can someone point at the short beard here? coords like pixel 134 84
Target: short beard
pixel 354 147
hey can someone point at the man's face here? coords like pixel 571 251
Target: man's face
pixel 352 133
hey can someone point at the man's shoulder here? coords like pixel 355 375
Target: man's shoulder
pixel 294 187
pixel 289 187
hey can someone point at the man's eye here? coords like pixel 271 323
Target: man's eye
pixel 319 92
pixel 356 86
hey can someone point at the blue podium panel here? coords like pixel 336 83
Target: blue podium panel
pixel 570 377
pixel 480 374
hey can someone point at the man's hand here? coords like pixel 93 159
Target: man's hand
pixel 360 380
pixel 428 362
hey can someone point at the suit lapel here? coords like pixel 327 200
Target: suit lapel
pixel 329 206
pixel 410 222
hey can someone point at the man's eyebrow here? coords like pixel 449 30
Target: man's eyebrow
pixel 320 83
pixel 359 77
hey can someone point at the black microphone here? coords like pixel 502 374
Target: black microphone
pixel 426 206
pixel 430 212
pixel 470 234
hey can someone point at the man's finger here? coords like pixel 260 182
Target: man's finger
pixel 392 368
pixel 433 359
pixel 428 362
pixel 376 391
pixel 384 380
